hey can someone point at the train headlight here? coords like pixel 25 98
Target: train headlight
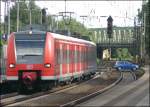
pixel 12 65
pixel 47 65
pixel 30 32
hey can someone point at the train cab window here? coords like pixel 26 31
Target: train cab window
pixel 30 48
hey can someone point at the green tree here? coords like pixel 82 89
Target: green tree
pixel 24 15
pixel 147 28
pixel 146 10
pixel 123 54
pixel 75 27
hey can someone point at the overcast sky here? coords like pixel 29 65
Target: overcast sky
pixel 122 12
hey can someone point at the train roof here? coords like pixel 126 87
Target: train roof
pixel 33 32
pixel 59 36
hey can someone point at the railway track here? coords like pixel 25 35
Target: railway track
pixel 127 78
pixel 8 95
pixel 14 99
pixel 11 94
pixel 11 98
pixel 62 97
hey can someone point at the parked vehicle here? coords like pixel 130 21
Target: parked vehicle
pixel 126 66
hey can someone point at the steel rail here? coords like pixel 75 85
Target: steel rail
pixel 85 98
pixel 27 97
pixel 8 95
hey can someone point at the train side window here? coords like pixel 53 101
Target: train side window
pixel 66 57
pixel 79 55
pixel 82 57
pixel 76 54
pixel 60 54
pixel 73 55
pixel 64 60
pixel 84 54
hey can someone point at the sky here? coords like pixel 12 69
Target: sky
pixel 122 12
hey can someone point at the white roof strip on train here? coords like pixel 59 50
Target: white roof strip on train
pixel 58 36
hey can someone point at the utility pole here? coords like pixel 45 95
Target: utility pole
pixel 83 18
pixel 8 11
pixel 30 14
pixel 41 17
pixel 57 21
pixel 5 18
pixel 18 15
pixel 52 20
pixel 143 24
pixel 143 38
pixel 65 18
pixel 0 17
pixel 54 17
pixel 135 35
pixel 0 26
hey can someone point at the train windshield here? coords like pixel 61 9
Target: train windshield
pixel 30 48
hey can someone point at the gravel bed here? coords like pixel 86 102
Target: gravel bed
pixel 139 73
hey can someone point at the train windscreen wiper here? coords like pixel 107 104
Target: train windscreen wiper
pixel 30 55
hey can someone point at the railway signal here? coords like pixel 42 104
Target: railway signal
pixel 44 15
pixel 109 26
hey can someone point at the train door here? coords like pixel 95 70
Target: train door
pixel 71 59
pixel 84 63
pixel 64 60
pixel 61 60
pixel 86 57
pixel 68 60
pixel 57 59
pixel 75 59
pixel 78 60
pixel 82 58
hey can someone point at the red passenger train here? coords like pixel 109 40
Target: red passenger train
pixel 37 58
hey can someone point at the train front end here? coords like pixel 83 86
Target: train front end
pixel 26 59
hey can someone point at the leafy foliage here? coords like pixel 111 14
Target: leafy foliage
pixel 74 26
pixel 146 9
pixel 23 15
pixel 123 54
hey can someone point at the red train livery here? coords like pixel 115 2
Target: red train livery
pixel 35 58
